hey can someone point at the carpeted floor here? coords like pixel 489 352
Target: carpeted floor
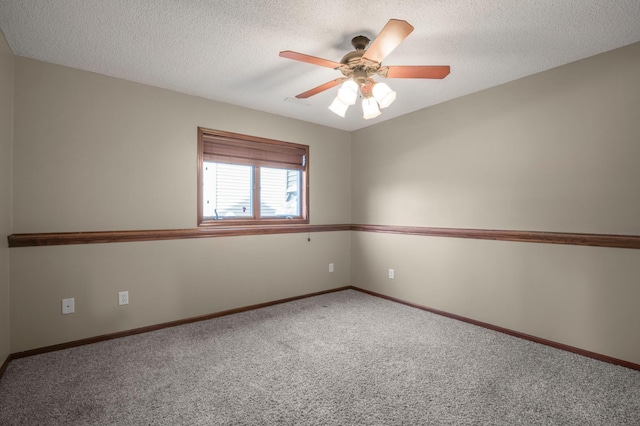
pixel 343 358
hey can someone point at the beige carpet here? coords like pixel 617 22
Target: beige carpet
pixel 344 358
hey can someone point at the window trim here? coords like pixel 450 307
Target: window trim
pixel 205 134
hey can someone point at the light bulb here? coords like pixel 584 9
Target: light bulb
pixel 338 107
pixel 383 94
pixel 348 92
pixel 370 108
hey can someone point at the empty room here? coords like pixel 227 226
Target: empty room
pixel 279 212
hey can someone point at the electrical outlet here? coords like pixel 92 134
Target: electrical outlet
pixel 331 267
pixel 68 306
pixel 392 274
pixel 123 298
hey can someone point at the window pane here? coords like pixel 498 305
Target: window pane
pixel 227 191
pixel 279 192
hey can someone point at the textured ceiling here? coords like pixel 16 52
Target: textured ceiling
pixel 227 50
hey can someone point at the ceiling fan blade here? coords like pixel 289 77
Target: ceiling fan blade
pixel 326 86
pixel 309 59
pixel 419 71
pixel 389 38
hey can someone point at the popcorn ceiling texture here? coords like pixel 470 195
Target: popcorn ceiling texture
pixel 228 50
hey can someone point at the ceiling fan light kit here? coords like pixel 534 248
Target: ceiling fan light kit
pixel 348 92
pixel 383 94
pixel 359 66
pixel 370 108
pixel 338 107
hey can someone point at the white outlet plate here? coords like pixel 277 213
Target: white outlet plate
pixel 68 306
pixel 392 274
pixel 123 298
pixel 331 267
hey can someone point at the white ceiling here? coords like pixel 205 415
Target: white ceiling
pixel 227 50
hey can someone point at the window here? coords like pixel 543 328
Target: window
pixel 245 180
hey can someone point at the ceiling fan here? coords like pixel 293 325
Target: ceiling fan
pixel 359 66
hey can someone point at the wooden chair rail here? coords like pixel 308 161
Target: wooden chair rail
pixel 67 238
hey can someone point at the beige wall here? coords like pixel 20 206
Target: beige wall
pixel 96 153
pixel 166 280
pixel 556 151
pixel 6 131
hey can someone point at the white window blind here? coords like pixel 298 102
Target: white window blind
pixel 279 192
pixel 227 191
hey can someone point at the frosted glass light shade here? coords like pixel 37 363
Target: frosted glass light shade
pixel 383 94
pixel 348 92
pixel 338 107
pixel 370 108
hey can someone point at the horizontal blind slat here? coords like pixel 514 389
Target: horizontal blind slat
pixel 223 149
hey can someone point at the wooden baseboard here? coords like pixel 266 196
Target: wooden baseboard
pixel 4 365
pixel 155 327
pixel 562 346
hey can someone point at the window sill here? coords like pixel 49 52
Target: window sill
pixel 252 222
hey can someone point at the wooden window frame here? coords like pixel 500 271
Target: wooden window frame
pixel 208 135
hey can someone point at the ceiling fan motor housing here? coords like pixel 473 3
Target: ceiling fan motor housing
pixel 360 42
pixel 354 66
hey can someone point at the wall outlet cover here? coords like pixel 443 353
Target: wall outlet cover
pixel 68 306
